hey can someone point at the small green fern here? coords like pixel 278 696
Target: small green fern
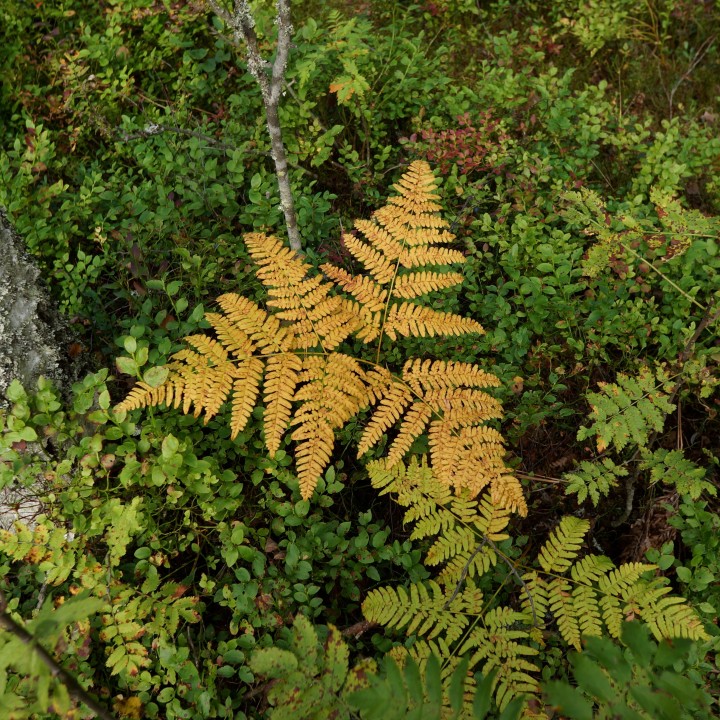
pixel 673 468
pixel 593 479
pixel 626 412
pixel 312 680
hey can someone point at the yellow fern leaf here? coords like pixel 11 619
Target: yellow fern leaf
pixel 415 284
pixel 428 236
pixel 376 263
pixel 237 341
pixel 390 246
pixel 423 375
pixel 418 321
pixel 333 391
pixel 391 407
pixel 207 375
pixel 413 425
pixel 245 392
pixel 420 256
pixel 278 265
pixel 281 378
pixel 364 289
pixel 263 329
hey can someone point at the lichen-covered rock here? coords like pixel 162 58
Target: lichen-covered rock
pixel 30 346
pixel 29 328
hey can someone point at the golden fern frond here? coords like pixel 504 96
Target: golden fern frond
pixel 392 405
pixel 406 233
pixel 421 256
pixel 420 283
pixel 399 222
pixel 380 239
pixel 506 491
pixel 318 318
pixel 278 265
pixel 244 394
pixel 426 375
pixel 369 293
pixel 169 393
pixel 413 425
pixel 429 236
pixel 281 379
pixel 213 377
pixel 332 392
pixel 413 320
pixel 417 190
pixel 376 263
pixel 234 339
pixel 265 330
pixel 342 319
pixel 325 325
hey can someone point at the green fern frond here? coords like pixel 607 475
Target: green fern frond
pixel 593 479
pixel 421 610
pixel 627 411
pixel 507 652
pixel 561 548
pixel 673 468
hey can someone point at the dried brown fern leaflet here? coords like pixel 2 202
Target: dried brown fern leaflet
pixel 291 350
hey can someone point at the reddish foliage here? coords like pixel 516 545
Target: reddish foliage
pixel 467 146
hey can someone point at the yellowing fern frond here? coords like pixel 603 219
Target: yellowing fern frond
pixel 287 354
pixel 406 233
pixel 281 379
pixel 417 321
pixel 392 405
pixel 332 391
pixel 420 283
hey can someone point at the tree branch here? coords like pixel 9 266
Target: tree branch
pixel 76 691
pixel 242 24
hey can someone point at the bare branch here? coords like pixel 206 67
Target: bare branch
pixel 242 24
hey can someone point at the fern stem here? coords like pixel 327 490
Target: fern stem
pixel 663 276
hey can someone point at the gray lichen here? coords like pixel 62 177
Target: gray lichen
pixel 29 329
pixel 30 345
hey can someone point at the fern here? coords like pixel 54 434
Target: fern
pixel 627 412
pixel 288 354
pixel 674 227
pixel 673 468
pixel 451 617
pixel 593 479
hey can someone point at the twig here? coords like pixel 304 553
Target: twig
pixel 76 691
pixel 696 60
pixel 359 628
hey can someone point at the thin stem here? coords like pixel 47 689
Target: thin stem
pixel 76 691
pixel 663 276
